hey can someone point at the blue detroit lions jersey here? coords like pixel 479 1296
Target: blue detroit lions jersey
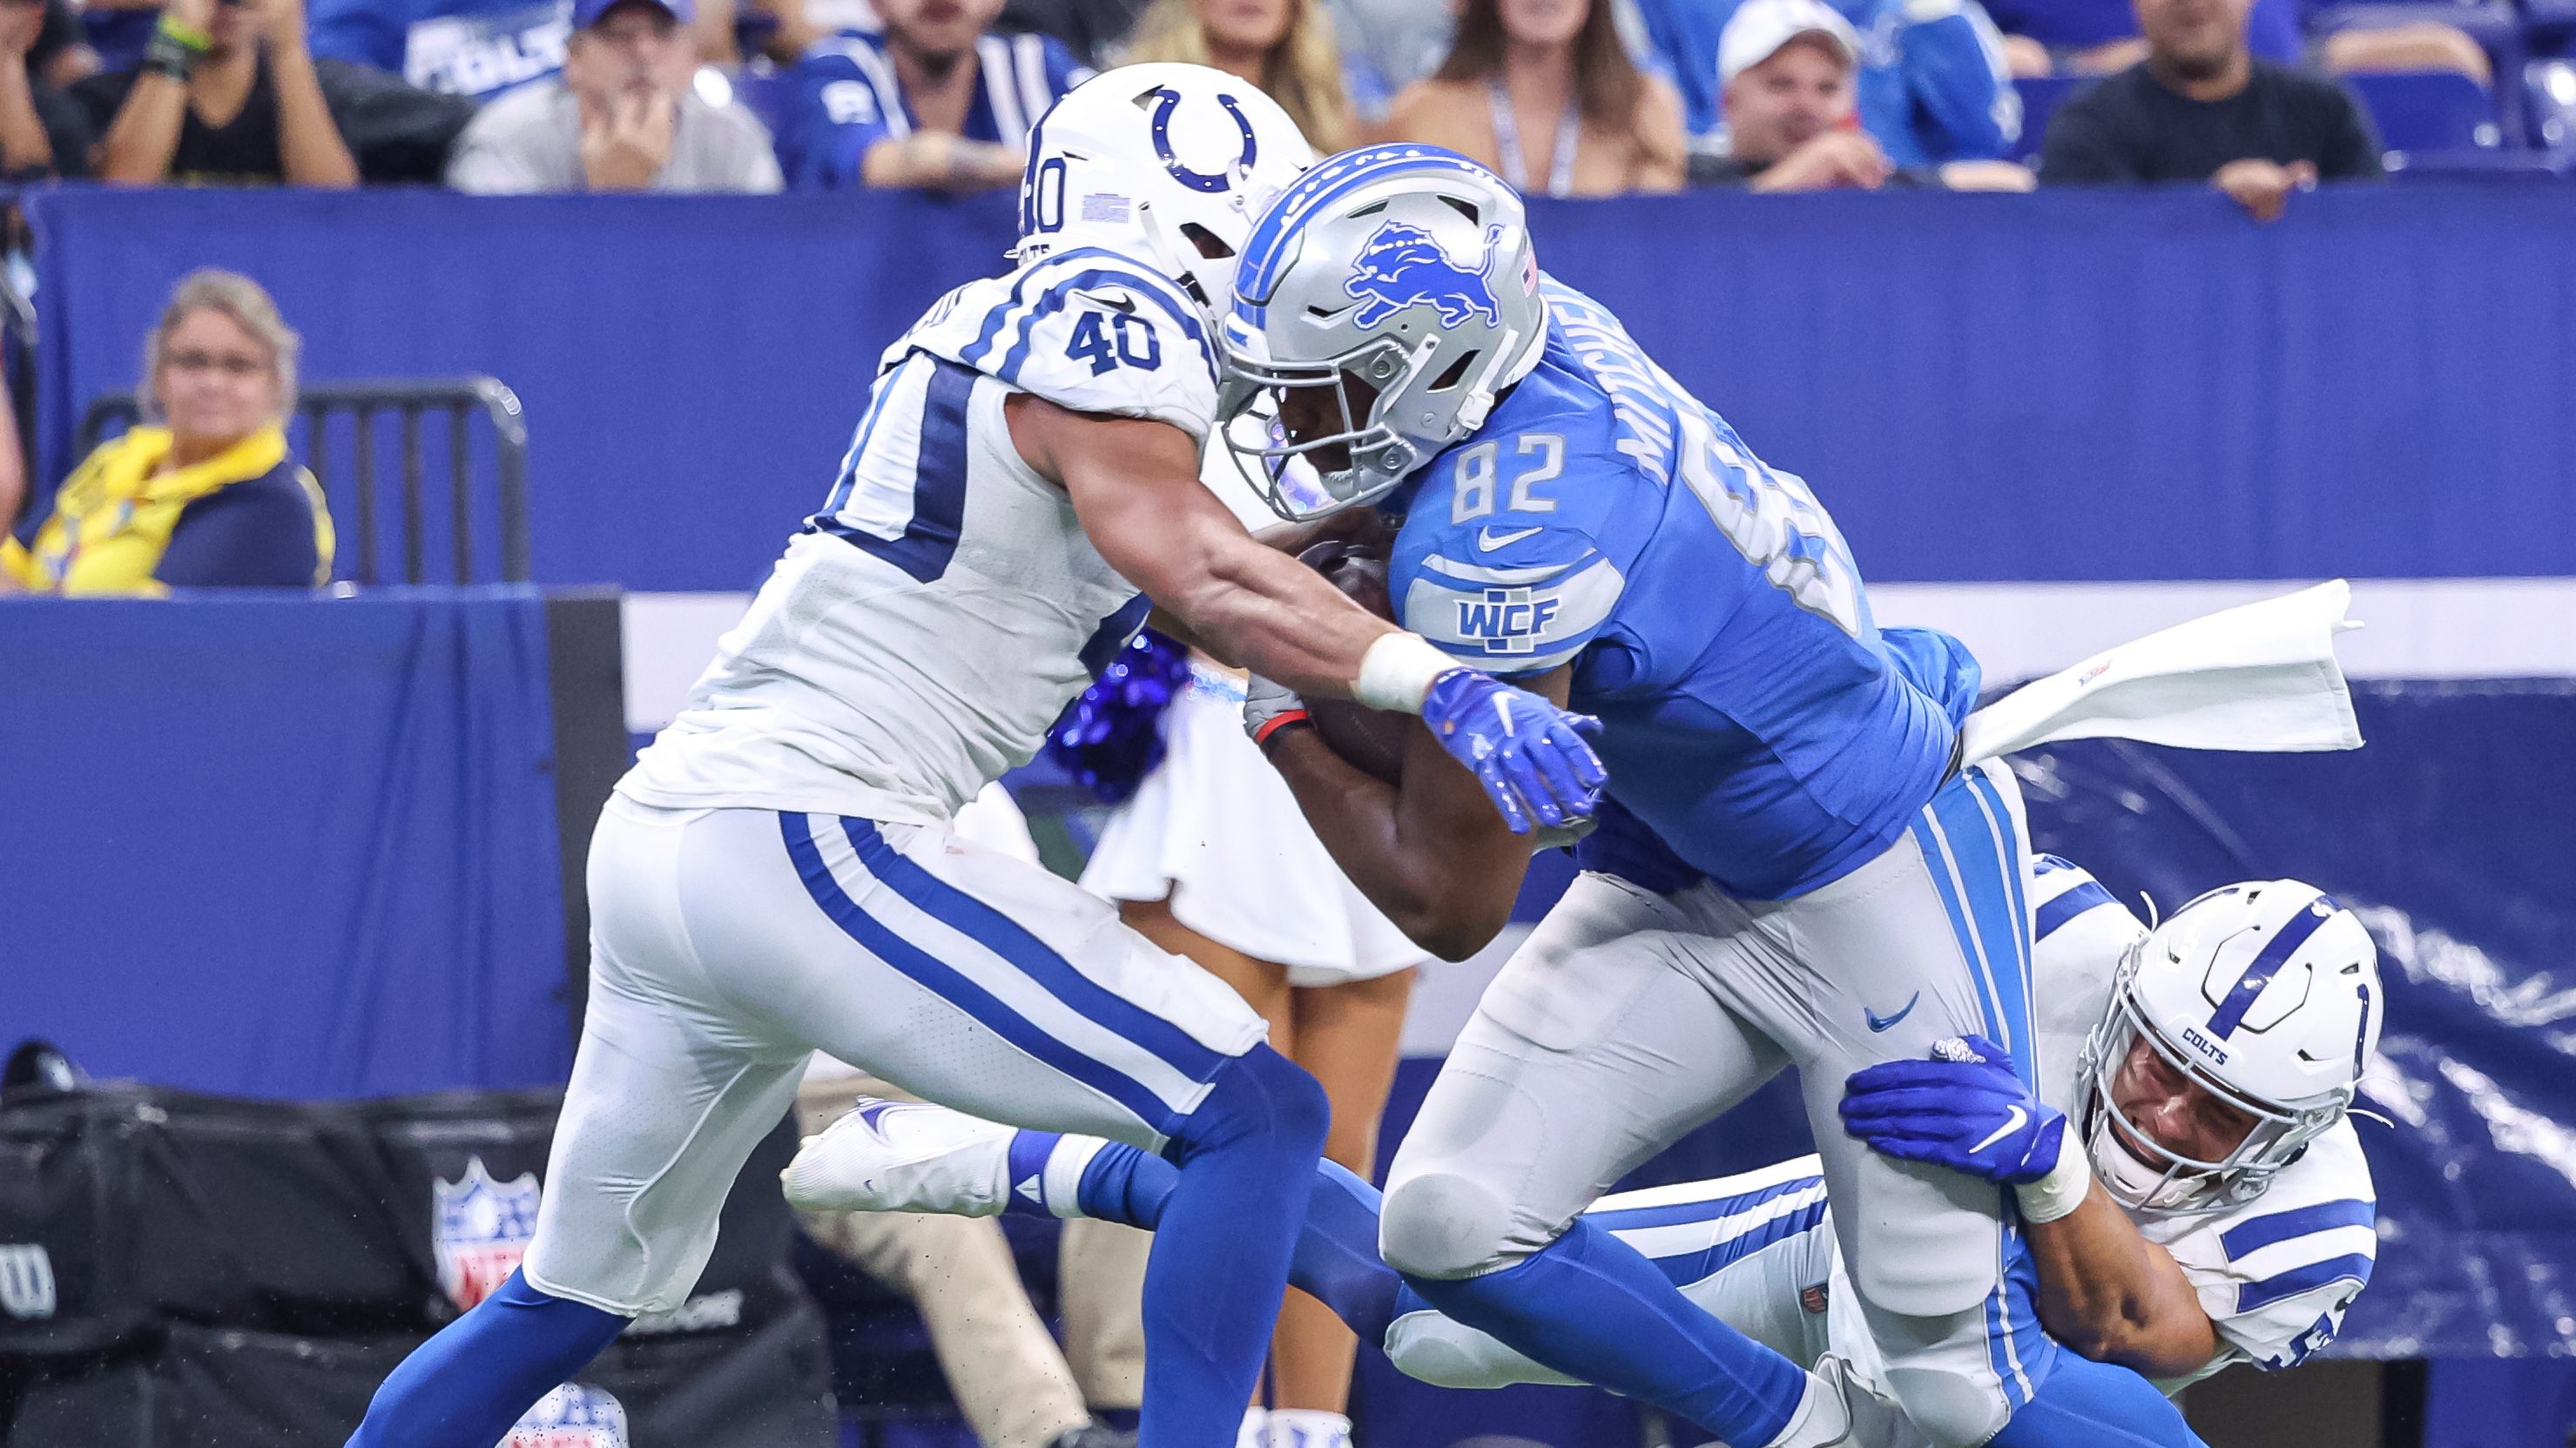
pixel 1756 721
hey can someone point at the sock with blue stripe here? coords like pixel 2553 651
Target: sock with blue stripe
pixel 2085 1404
pixel 1223 1238
pixel 466 1386
pixel 1594 1308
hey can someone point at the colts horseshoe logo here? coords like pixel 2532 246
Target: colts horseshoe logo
pixel 1167 100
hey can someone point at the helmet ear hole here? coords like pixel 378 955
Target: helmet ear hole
pixel 1454 373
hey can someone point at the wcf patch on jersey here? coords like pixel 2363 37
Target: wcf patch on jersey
pixel 1506 620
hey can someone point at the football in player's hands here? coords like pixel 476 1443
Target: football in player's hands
pixel 1374 740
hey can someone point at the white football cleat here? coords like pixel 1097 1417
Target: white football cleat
pixel 903 1156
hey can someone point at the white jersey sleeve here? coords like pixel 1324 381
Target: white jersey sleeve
pixel 1088 330
pixel 2276 1274
pixel 2079 932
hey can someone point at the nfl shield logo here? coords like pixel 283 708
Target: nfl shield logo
pixel 572 1416
pixel 479 1229
pixel 1812 1299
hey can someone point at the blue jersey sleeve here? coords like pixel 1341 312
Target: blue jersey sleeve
pixel 1495 566
pixel 1965 106
pixel 845 101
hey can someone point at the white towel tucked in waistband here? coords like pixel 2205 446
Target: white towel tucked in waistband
pixel 2261 678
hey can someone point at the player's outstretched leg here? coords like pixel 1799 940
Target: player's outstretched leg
pixel 469 1383
pixel 903 1156
pixel 1244 1158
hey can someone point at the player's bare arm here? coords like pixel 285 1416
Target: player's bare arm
pixel 2112 1295
pixel 1427 851
pixel 1135 485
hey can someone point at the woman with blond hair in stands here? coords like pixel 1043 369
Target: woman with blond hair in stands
pixel 1283 46
pixel 1546 94
pixel 209 495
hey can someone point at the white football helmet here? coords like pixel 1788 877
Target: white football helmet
pixel 1177 158
pixel 2265 994
pixel 1404 268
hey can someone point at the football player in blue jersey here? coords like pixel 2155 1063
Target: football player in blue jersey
pixel 1839 893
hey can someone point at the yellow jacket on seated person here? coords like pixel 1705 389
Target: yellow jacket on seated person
pixel 247 517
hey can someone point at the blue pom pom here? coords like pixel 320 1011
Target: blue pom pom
pixel 1111 737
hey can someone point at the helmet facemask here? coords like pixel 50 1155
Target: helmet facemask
pixel 2144 1174
pixel 1356 457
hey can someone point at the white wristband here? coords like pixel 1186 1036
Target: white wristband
pixel 1397 671
pixel 2059 1192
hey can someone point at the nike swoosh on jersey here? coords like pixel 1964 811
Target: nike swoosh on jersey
pixel 1878 1022
pixel 2013 1123
pixel 1487 540
pixel 1113 301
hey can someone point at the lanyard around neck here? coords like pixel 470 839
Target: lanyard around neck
pixel 1507 139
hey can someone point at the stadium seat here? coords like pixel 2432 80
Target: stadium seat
pixel 2429 110
pixel 2040 98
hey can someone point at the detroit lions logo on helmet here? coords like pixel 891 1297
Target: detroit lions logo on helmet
pixel 1403 266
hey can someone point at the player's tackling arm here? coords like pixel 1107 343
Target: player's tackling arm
pixel 2112 1295
pixel 1135 485
pixel 1429 854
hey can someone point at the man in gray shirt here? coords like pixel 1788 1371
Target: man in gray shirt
pixel 623 116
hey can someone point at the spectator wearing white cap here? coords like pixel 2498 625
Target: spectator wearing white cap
pixel 623 116
pixel 1788 71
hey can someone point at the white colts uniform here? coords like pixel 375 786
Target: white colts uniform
pixel 1759 1250
pixel 778 873
pixel 1215 830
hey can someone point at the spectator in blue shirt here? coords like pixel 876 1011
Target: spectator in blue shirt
pixel 933 102
pixel 1932 83
pixel 471 48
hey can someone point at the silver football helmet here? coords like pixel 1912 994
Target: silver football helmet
pixel 1382 303
pixel 2265 995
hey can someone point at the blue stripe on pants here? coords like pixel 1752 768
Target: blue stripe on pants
pixel 943 981
pixel 1973 853
pixel 1012 941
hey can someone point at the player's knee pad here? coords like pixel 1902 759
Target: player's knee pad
pixel 1259 1096
pixel 1440 1223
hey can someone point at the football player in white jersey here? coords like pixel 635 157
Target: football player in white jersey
pixel 2219 1212
pixel 778 873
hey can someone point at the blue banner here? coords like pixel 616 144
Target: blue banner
pixel 2071 385
pixel 283 846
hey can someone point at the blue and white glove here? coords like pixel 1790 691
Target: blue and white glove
pixel 1528 754
pixel 1966 1110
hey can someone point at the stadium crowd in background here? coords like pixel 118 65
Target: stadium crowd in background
pixel 1563 96
pixel 622 116
pixel 208 495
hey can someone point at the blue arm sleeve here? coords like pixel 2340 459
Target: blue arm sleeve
pixel 1966 107
pixel 257 534
pixel 832 120
pixel 365 32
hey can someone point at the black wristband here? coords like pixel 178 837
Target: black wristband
pixel 167 55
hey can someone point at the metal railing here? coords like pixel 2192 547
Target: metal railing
pixel 457 398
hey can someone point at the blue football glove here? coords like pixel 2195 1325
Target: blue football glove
pixel 1964 1109
pixel 1527 753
